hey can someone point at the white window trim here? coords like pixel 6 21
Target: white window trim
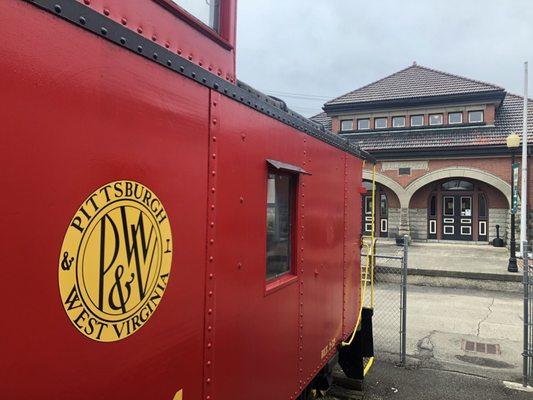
pixel 483 232
pixel 452 229
pixel 381 127
pixel 455 123
pixel 363 119
pixel 474 111
pixel 396 118
pixel 469 228
pixel 384 225
pixel 346 120
pixel 432 227
pixel 441 120
pixel 417 115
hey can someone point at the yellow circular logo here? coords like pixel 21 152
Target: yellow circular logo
pixel 115 261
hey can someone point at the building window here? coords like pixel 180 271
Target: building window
pixel 206 11
pixel 380 123
pixel 346 125
pixel 448 209
pixel 398 122
pixel 457 184
pixel 433 206
pixel 482 206
pixel 435 119
pixel 363 123
pixel 417 120
pixel 279 226
pixel 383 210
pixel 475 116
pixel 455 118
pixel 404 171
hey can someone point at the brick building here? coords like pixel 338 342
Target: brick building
pixel 444 167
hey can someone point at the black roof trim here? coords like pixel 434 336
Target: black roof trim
pixel 107 29
pixel 494 95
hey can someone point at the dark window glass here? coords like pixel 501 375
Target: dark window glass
pixel 448 206
pixel 383 206
pixel 475 116
pixel 466 206
pixel 206 11
pixel 404 171
pixel 380 123
pixel 455 118
pixel 368 204
pixel 363 123
pixel 482 206
pixel 457 184
pixel 417 120
pixel 280 200
pixel 433 206
pixel 346 125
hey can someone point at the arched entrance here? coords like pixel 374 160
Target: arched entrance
pixel 457 210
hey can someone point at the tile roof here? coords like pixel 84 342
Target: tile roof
pixel 412 82
pixel 508 119
pixel 323 119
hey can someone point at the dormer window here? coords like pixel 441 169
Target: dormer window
pixel 455 118
pixel 417 120
pixel 475 116
pixel 380 123
pixel 346 125
pixel 398 122
pixel 435 119
pixel 363 123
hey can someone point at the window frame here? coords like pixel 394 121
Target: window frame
pixel 416 115
pixel 290 276
pixel 346 120
pixel 222 35
pixel 452 113
pixel 441 119
pixel 381 118
pixel 363 119
pixel 476 111
pixel 398 117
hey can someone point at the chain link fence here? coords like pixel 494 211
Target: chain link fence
pixel 390 301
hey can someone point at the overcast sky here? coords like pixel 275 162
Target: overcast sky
pixel 309 51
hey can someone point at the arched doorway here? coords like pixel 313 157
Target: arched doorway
pixel 457 210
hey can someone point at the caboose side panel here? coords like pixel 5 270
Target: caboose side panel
pixel 77 114
pixel 255 331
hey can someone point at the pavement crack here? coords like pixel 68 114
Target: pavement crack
pixel 485 317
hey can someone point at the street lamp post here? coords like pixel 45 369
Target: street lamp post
pixel 513 142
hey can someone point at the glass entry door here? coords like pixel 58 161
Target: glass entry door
pixel 456 217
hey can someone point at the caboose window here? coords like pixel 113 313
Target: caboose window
pixel 207 11
pixel 280 207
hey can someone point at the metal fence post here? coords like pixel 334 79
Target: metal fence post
pixel 403 323
pixel 526 314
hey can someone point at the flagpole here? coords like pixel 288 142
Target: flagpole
pixel 523 210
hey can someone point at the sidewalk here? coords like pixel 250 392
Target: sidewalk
pixel 457 265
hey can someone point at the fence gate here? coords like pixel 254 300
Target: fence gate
pixel 390 300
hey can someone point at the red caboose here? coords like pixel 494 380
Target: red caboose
pixel 168 232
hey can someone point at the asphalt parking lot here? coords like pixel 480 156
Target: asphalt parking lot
pixel 387 381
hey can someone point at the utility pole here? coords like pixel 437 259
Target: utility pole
pixel 523 210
